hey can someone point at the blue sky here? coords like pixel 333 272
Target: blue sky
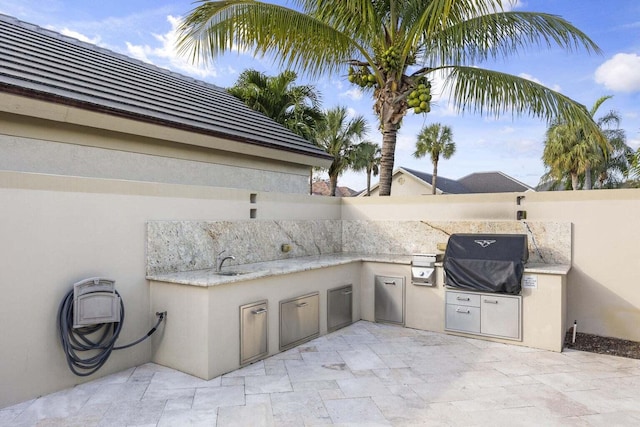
pixel 145 29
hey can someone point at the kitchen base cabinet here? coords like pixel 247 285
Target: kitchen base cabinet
pixel 253 332
pixel 339 307
pixel 500 316
pixel 299 320
pixel 484 314
pixel 389 299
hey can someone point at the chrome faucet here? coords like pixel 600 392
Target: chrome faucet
pixel 220 260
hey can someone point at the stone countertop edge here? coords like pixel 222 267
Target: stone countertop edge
pixel 540 268
pixel 258 270
pixel 208 277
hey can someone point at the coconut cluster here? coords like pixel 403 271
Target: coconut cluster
pixel 362 77
pixel 420 98
pixel 390 59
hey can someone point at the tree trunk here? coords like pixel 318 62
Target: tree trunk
pixel 368 181
pixel 574 181
pixel 587 178
pixel 333 183
pixel 434 178
pixel 389 135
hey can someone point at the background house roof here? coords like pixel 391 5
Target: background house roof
pixel 443 184
pixel 492 182
pixel 323 188
pixel 42 64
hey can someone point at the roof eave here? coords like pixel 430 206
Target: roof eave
pixel 324 158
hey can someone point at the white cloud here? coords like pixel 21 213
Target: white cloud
pixel 556 87
pixel 634 143
pixel 354 94
pixel 620 73
pixel 166 53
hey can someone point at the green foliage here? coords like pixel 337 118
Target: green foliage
pixel 337 135
pixel 435 140
pixel 297 107
pixel 575 157
pixel 366 156
pixel 381 39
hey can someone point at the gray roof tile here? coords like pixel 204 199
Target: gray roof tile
pixel 492 182
pixel 40 63
pixel 445 185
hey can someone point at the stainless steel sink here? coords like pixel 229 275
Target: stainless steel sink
pixel 230 273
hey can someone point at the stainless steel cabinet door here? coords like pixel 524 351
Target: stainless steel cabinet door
pixel 500 316
pixel 253 332
pixel 389 299
pixel 299 320
pixel 339 307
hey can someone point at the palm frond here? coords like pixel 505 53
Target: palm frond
pixel 498 35
pixel 484 91
pixel 299 41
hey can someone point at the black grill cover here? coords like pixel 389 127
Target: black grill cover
pixel 486 262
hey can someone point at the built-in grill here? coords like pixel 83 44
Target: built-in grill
pixel 486 262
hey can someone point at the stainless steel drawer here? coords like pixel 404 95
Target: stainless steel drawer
pixel 462 318
pixel 463 298
pixel 299 320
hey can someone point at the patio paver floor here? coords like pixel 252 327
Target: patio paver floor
pixel 367 374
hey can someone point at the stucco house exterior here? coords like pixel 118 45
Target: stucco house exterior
pixel 411 182
pixel 75 109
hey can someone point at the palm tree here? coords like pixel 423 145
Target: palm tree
pixel 435 140
pixel 613 165
pixel 634 165
pixel 380 41
pixel 566 151
pixel 297 107
pixel 337 135
pixel 366 156
pixel 572 151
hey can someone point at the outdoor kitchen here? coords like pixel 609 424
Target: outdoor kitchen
pixel 517 294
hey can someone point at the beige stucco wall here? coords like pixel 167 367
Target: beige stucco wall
pixel 602 286
pixel 406 185
pixel 59 230
pixel 41 137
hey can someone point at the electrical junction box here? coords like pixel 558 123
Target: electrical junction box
pixel 95 301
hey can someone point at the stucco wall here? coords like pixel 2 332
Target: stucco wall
pixel 603 284
pixel 59 230
pixel 41 137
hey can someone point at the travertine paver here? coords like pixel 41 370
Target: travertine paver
pixel 366 374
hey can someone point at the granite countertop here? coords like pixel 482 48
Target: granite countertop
pixel 208 277
pixel 539 268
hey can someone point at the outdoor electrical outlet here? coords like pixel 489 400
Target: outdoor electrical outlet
pixel 285 247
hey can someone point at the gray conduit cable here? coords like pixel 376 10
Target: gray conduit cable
pixel 84 339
